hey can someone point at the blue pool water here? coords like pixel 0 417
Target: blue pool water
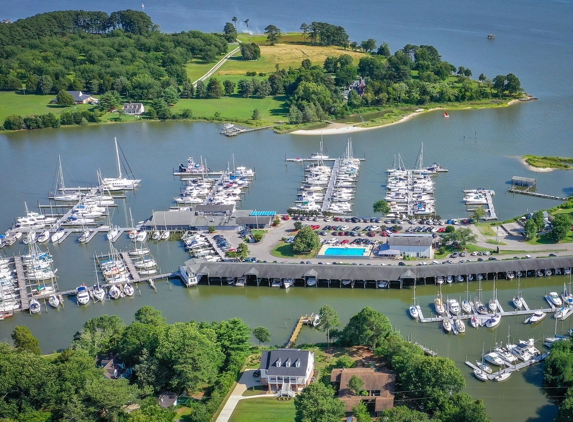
pixel 345 251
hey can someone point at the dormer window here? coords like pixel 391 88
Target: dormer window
pixel 297 363
pixel 278 362
pixel 287 363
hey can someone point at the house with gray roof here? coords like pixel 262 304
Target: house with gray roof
pixel 134 109
pixel 286 370
pixel 407 246
pixel 79 97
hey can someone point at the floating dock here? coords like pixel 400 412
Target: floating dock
pixel 536 194
pixel 512 368
pixel 24 300
pixel 234 130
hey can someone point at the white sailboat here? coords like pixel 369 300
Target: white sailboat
pixel 413 310
pixel 119 182
pixel 61 194
pixel 517 301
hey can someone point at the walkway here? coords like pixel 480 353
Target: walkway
pixel 247 380
pixel 215 68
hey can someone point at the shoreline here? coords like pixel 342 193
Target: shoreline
pixel 536 169
pixel 345 128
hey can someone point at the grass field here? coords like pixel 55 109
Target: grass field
pixel 284 250
pixel 263 410
pixel 16 103
pixel 562 163
pixel 272 109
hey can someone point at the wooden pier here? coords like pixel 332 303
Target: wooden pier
pixel 536 194
pixel 234 130
pixel 301 321
pixel 24 299
pixel 491 209
pixel 331 185
pixel 511 368
pixel 130 267
pixel 426 350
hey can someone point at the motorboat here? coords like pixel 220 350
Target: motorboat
pixel 83 295
pixel 529 345
pixel 84 236
pixel 145 263
pixel 288 283
pixel 502 377
pixel 466 306
pixel 454 306
pixel 459 278
pixel 460 326
pixel 440 280
pixel 449 279
pixel 505 355
pixel 156 235
pixel 128 289
pixel 494 358
pixel 35 307
pixel 548 272
pixel 493 321
pixel 447 325
pixel 141 236
pixel 492 305
pixel 563 312
pixel 413 312
pixel 112 233
pixel 54 301
pixel 536 317
pixel 383 284
pixel 474 322
pixel 439 306
pixel 549 341
pixel 30 238
pixel 521 352
pixel 517 302
pixel 139 251
pixel 276 282
pixel 98 292
pixel 149 271
pixel 114 292
pixel 311 281
pixel 480 375
pixel 555 299
pixel 482 366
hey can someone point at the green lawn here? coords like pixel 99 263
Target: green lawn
pixel 16 103
pixel 272 109
pixel 263 410
pixel 284 250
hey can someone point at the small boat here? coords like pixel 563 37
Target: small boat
pixel 35 307
pixel 440 309
pixel 480 375
pixel 383 284
pixel 480 307
pixel 491 37
pixel 517 302
pixel 83 296
pixel 503 377
pixel 98 292
pixel 113 232
pixel 494 358
pixel 460 326
pixel 555 299
pixel 466 306
pixel 493 321
pixel 156 235
pixel 316 321
pixel 141 251
pixel 145 263
pixel 54 301
pixel 288 282
pixel 440 280
pixel 562 313
pixel 567 271
pixel 454 306
pixel 449 279
pixel 141 236
pixel 446 114
pixel 128 289
pixel 474 322
pixel 44 236
pixel 58 235
pixel 459 278
pixel 548 273
pixel 84 236
pixel 30 238
pixel 447 325
pixel 413 312
pixel 536 317
pixel 165 235
pixel 149 271
pixel 492 305
pixel 114 292
pixel 276 282
pixel 482 366
pixel 311 282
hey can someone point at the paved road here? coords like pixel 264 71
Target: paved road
pixel 246 381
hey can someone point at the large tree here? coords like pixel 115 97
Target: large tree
pixel 25 340
pixel 561 226
pixel 99 335
pixel 262 334
pixel 109 101
pixel 317 403
pixel 356 385
pixel 230 32
pixel 462 235
pixel 381 206
pixel 305 241
pixel 328 320
pixel 368 45
pixel 273 34
pixel 366 328
pixel 65 99
pixel 214 88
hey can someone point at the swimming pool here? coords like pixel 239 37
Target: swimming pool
pixel 344 251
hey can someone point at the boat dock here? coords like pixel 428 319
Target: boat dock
pixel 536 194
pixel 130 267
pixel 331 185
pixel 234 130
pixel 24 299
pixel 315 160
pixel 512 368
pixel 303 320
pixel 490 208
pixel 426 350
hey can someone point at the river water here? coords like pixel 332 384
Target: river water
pixel 480 148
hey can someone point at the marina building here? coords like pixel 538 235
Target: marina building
pixel 407 246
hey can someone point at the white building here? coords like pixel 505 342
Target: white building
pixel 286 369
pixel 134 109
pixel 407 246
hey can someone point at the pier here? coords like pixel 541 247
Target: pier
pixel 536 194
pixel 315 160
pixel 301 321
pixel 331 185
pixel 130 267
pixel 490 208
pixel 24 299
pixel 234 130
pixel 512 368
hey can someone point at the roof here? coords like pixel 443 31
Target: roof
pixel 245 220
pixel 134 106
pixel 79 95
pixel 374 271
pixel 385 382
pixel 214 208
pixel 270 360
pixel 167 399
pixel 187 218
pixel 523 179
pixel 410 241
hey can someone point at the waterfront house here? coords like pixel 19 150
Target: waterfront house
pixel 286 370
pixel 114 368
pixel 133 109
pixel 167 399
pixel 379 388
pixel 79 98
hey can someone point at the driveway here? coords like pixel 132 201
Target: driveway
pixel 246 381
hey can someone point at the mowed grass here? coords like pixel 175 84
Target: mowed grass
pixel 272 109
pixel 285 55
pixel 284 250
pixel 264 410
pixel 16 103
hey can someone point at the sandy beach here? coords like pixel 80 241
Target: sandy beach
pixel 535 169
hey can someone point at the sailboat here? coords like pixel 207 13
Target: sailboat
pixel 466 304
pixel 61 194
pixel 481 365
pixel 492 305
pixel 413 310
pixel 119 182
pixel 517 301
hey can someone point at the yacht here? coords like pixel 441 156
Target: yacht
pixel 98 292
pixel 44 236
pixel 119 182
pixel 145 263
pixel 83 296
pixel 466 306
pixel 506 356
pixel 54 301
pixel 484 367
pixel 480 307
pixel 413 312
pixel 439 306
pixel 480 375
pixel 113 232
pixel 57 235
pixel 494 358
pixel 521 352
pixel 502 377
pixel 447 325
pixel 517 302
pixel 141 236
pixel 165 235
pixel 474 322
pixel 454 306
pixel 536 317
pixel 114 292
pixel 128 289
pixel 460 326
pixel 555 299
pixel 84 236
pixel 35 307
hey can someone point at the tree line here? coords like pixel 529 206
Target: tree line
pixel 188 357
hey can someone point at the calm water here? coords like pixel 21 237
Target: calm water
pixel 480 148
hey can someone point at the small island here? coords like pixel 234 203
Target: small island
pixel 545 162
pixel 77 68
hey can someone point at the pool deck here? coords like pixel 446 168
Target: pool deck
pixel 346 251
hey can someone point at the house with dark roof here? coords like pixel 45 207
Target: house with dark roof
pixel 407 246
pixel 114 368
pixel 134 109
pixel 167 399
pixel 286 370
pixel 379 388
pixel 79 98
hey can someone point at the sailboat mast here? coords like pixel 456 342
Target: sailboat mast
pixel 118 163
pixel 61 173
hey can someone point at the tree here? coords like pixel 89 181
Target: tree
pixel 99 335
pixel 170 95
pixel 109 101
pixel 361 413
pixel 482 78
pixel 230 32
pixel 247 24
pixel 479 213
pixel 561 225
pixel 151 316
pixel 45 84
pixel 235 22
pixel 297 225
pixel 530 229
pixel 304 28
pixel 461 236
pixel 381 206
pixel 317 403
pixel 368 45
pixel 262 334
pixel 201 90
pixel 384 50
pixel 273 34
pixel 513 85
pixel 211 229
pixel 328 319
pixel 366 328
pixel 356 385
pixel 499 84
pixel 305 241
pixel 245 88
pixel 403 414
pixel 65 99
pixel 294 118
pixel 256 114
pixel 460 407
pixel 25 340
pixel 229 87
pixel 250 51
pixel 214 88
pixel 539 218
pixel 14 122
pixel 354 100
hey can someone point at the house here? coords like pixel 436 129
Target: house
pixel 167 399
pixel 114 368
pixel 379 388
pixel 134 109
pixel 79 98
pixel 359 86
pixel 407 246
pixel 286 370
